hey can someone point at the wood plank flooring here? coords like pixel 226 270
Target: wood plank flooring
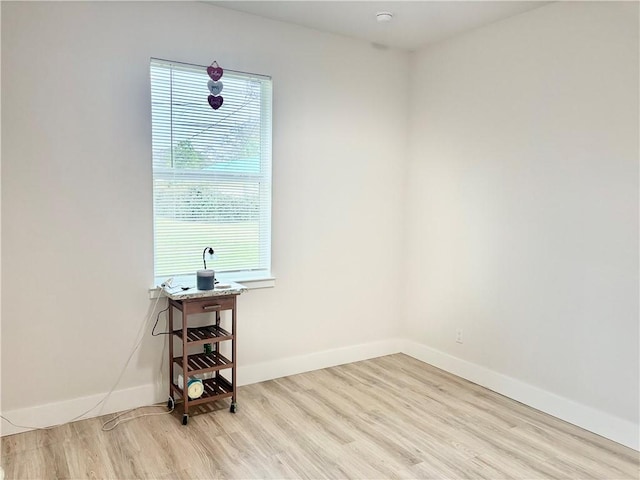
pixel 391 417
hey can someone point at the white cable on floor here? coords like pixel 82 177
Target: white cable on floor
pixel 108 429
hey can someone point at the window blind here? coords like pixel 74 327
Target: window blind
pixel 211 171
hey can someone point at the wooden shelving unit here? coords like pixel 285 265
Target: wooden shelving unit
pixel 187 343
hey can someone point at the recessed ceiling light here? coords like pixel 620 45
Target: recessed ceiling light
pixel 384 17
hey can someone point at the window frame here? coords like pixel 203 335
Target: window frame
pixel 261 275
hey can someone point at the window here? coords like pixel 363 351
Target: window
pixel 211 172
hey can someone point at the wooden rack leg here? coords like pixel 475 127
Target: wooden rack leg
pixel 185 368
pixel 217 346
pixel 170 339
pixel 234 406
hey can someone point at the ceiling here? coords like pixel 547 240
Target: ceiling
pixel 415 24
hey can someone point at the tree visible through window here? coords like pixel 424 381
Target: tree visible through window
pixel 211 171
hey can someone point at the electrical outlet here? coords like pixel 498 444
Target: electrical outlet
pixel 458 335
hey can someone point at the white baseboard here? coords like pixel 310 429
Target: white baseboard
pixel 64 411
pixel 596 421
pixel 614 428
pixel 314 361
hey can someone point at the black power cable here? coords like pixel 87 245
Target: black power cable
pixel 153 330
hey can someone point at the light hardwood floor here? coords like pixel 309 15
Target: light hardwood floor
pixel 390 417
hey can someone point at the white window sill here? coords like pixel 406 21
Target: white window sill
pixel 190 281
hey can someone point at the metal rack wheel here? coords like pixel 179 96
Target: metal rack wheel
pixel 171 403
pixel 185 419
pixel 233 408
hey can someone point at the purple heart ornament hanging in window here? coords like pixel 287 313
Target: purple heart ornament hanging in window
pixel 215 102
pixel 215 71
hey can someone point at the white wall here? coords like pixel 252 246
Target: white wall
pixel 77 200
pixel 523 203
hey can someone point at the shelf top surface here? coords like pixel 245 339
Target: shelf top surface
pixel 229 288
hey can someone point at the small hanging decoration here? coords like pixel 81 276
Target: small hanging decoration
pixel 215 86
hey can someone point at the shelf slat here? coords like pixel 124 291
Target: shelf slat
pixel 214 388
pixel 204 362
pixel 210 334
